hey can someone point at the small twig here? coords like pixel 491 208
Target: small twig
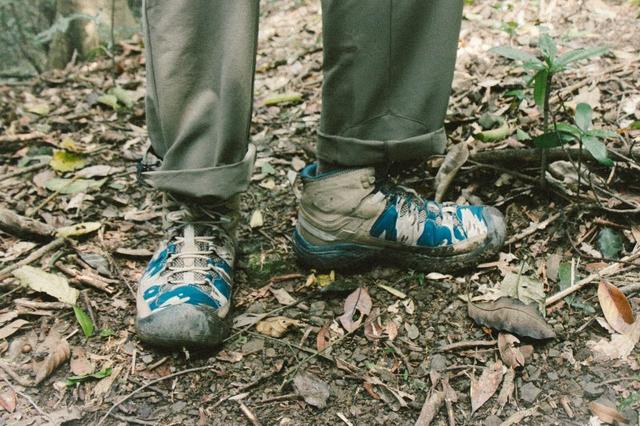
pixel 153 382
pixel 289 344
pixel 533 228
pixel 402 356
pixel 28 398
pixel 53 245
pixel 22 170
pixel 609 270
pixel 248 413
pixel 467 344
pixel 156 364
pixel 51 197
pixel 85 278
pixel 15 376
pixel 129 419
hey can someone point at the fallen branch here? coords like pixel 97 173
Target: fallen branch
pixel 24 227
pixel 85 278
pixel 533 228
pixel 23 170
pixel 53 245
pixel 609 270
pixel 467 344
pixel 430 408
pixel 553 154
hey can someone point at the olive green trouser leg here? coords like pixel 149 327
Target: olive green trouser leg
pixel 200 60
pixel 388 67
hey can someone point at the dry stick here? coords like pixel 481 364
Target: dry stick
pixel 519 416
pixel 609 270
pixel 153 382
pixel 53 245
pixel 630 288
pixel 24 227
pixel 467 344
pixel 51 197
pixel 15 376
pixel 21 137
pixel 248 413
pixel 84 278
pixel 533 228
pixel 22 171
pixel 290 345
pixel 430 408
pixel 533 154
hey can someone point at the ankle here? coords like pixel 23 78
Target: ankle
pixel 325 166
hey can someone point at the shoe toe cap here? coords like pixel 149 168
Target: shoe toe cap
pixel 183 325
pixel 496 225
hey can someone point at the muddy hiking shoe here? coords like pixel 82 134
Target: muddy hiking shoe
pixel 349 218
pixel 184 295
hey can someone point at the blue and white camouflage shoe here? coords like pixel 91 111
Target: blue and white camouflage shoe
pixel 348 219
pixel 184 295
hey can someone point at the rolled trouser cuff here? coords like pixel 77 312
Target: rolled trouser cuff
pixel 348 151
pixel 219 182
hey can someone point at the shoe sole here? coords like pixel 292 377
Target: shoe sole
pixel 349 256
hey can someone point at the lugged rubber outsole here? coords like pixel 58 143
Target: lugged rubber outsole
pixel 344 256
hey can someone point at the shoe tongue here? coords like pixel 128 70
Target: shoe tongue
pixel 189 246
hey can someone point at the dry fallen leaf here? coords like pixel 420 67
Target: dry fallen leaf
pixel 615 307
pixel 309 386
pixel 11 328
pixel 357 302
pixel 607 414
pixel 8 400
pixel 282 296
pixel 619 347
pixel 510 354
pixel 54 285
pixel 484 388
pixel 275 326
pixel 511 315
pixel 57 356
pixel 373 328
pixel 80 364
pixel 430 408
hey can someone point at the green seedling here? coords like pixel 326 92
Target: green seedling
pixel 544 66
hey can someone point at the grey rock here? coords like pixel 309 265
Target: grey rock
pixel 529 392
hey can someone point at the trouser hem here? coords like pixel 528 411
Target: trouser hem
pixel 347 151
pixel 219 182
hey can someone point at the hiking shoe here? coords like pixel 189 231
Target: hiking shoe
pixel 184 295
pixel 349 218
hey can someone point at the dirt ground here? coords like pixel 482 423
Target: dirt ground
pixel 423 346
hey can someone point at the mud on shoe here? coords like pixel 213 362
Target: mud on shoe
pixel 350 218
pixel 184 295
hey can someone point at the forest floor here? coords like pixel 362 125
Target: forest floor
pixel 69 156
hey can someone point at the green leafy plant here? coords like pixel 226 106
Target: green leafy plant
pixel 105 372
pixel 544 67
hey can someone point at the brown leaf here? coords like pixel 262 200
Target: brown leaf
pixel 615 307
pixel 607 414
pixel 314 391
pixel 620 346
pixel 357 302
pixel 11 328
pixel 373 328
pixel 510 354
pixel 8 400
pixel 511 315
pixel 275 326
pixel 486 385
pixel 58 355
pixel 322 339
pixel 391 328
pixel 80 364
pixel 282 296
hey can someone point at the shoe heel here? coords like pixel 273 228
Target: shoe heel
pixel 331 256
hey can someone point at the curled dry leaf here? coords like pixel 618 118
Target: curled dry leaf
pixel 607 414
pixel 619 347
pixel 615 307
pixel 395 398
pixel 456 157
pixel 59 354
pixel 323 339
pixel 11 328
pixel 358 302
pixel 484 388
pixel 391 328
pixel 510 354
pixel 310 387
pixel 373 328
pixel 52 284
pixel 275 326
pixel 511 315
